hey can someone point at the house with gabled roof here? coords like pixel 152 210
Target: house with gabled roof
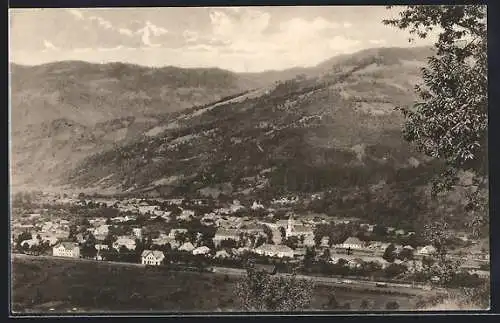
pixel 152 257
pixel 125 241
pixel 222 254
pixel 225 234
pixel 325 242
pixel 101 230
pixel 298 230
pixel 51 239
pixel 203 250
pixel 174 232
pixel 272 250
pixel 352 243
pixel 66 249
pixel 427 250
pixel 30 243
pixel 188 246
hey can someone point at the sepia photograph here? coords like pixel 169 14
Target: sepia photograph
pixel 262 159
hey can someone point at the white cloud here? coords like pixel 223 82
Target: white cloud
pixel 146 34
pixel 221 24
pixel 190 36
pixel 125 31
pixel 240 39
pixel 148 31
pixel 136 34
pixel 76 13
pixel 244 35
pixel 232 25
pixel 301 26
pixel 347 25
pixel 377 41
pixel 156 30
pixel 104 49
pixel 83 50
pixel 49 46
pixel 201 47
pixel 102 22
pixel 233 9
pixel 340 42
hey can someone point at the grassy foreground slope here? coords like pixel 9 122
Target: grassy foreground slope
pixel 41 283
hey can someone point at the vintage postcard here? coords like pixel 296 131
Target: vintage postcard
pixel 248 159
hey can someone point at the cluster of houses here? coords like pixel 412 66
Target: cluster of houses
pixel 241 234
pixel 42 230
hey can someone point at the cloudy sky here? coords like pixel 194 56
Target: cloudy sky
pixel 242 39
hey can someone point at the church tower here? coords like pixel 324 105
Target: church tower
pixel 289 227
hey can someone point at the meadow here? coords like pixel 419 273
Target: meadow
pixel 48 285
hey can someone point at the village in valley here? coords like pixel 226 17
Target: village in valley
pixel 203 234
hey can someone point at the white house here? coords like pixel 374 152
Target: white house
pixel 137 233
pixel 236 206
pixel 225 234
pixel 163 239
pixel 352 243
pixel 152 257
pixel 30 243
pixel 203 250
pixel 378 247
pixel 66 249
pixel 325 242
pixel 173 232
pixel 47 226
pixel 80 238
pixel 294 230
pixel 51 239
pixel 186 214
pixel 398 248
pixel 370 227
pixel 427 250
pixel 256 206
pixel 480 273
pixel 101 247
pixel 124 241
pixel 143 209
pixel 271 250
pixel 188 246
pixel 61 234
pixel 102 230
pixel 350 261
pixel 222 254
pixel 399 232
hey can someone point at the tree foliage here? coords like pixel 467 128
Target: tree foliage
pixel 389 253
pixel 392 305
pixel 450 120
pixel 260 291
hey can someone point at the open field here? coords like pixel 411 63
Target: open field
pixel 41 284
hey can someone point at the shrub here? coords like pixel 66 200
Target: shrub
pixel 259 291
pixel 364 305
pixel 393 305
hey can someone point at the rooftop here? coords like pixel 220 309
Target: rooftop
pixel 67 245
pixel 227 232
pixel 352 240
pixel 274 248
pixel 156 253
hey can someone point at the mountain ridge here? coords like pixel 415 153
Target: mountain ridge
pixel 370 83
